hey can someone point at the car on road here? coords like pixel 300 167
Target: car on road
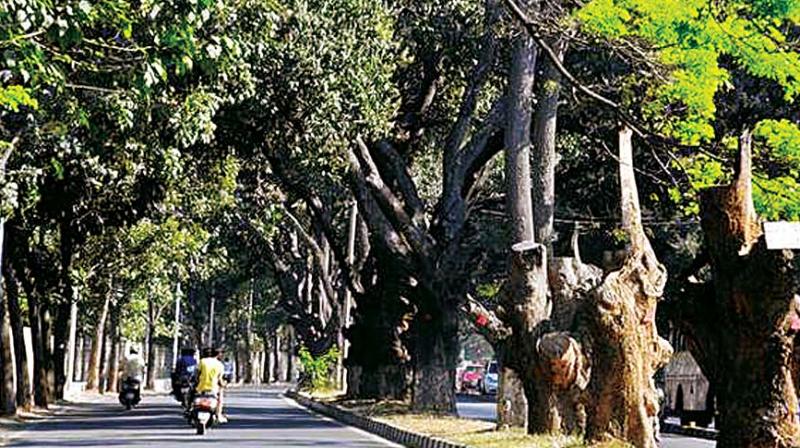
pixel 471 378
pixel 490 379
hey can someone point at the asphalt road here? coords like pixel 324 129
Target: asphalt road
pixel 257 419
pixel 483 408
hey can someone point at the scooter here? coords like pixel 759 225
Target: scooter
pixel 129 395
pixel 204 412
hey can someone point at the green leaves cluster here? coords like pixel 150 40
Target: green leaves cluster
pixel 692 38
pixel 318 372
pixel 703 46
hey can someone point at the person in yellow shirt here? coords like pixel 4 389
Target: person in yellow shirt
pixel 209 378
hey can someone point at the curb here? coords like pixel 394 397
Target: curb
pixel 700 433
pixel 384 430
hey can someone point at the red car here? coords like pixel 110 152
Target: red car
pixel 471 378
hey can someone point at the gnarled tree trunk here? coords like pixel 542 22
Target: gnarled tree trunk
pixel 624 344
pixel 756 306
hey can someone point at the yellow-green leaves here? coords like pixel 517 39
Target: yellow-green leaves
pixel 14 96
pixel 693 37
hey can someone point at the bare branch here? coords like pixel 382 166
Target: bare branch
pixel 477 80
pixel 391 205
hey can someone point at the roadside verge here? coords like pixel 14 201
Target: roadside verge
pixel 381 429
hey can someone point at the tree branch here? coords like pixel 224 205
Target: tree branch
pixel 391 205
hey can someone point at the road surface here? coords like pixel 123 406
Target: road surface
pixel 258 419
pixel 483 408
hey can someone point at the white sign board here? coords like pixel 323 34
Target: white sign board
pixel 782 235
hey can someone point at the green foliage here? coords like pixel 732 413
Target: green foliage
pixel 318 371
pixel 14 96
pixel 692 38
pixel 702 47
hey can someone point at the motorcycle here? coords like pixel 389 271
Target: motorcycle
pixel 129 395
pixel 204 412
pixel 183 389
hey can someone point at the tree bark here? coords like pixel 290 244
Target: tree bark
pixel 71 346
pixel 78 358
pixel 104 349
pixel 150 379
pixel 114 355
pixel 625 347
pixel 24 398
pixel 756 306
pixel 525 294
pixel 435 350
pixel 544 154
pixel 276 356
pixel 93 374
pixel 249 375
pixel 378 356
pixel 512 407
pixel 7 393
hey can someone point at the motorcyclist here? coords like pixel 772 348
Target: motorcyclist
pixel 228 375
pixel 133 370
pixel 209 378
pixel 184 372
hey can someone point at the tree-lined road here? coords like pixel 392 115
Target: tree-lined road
pixel 257 419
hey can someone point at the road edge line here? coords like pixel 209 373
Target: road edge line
pixel 369 425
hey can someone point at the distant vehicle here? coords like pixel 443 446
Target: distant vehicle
pixel 490 379
pixel 688 393
pixel 471 378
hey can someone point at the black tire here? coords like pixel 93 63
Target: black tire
pixel 128 406
pixel 201 429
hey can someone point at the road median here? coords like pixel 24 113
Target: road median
pixel 381 429
pixel 395 421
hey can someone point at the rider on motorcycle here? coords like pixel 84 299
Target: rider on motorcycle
pixel 209 378
pixel 132 372
pixel 184 373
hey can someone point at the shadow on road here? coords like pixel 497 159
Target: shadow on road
pixel 255 419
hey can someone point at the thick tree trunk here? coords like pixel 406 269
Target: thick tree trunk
pixel 757 308
pixel 525 294
pixel 114 355
pixel 624 344
pixel 71 347
pixel 544 155
pixel 435 332
pixel 276 357
pixel 150 360
pixel 249 375
pixel 48 340
pixel 377 361
pixel 527 308
pixel 77 374
pixel 8 397
pixel 512 407
pixel 93 374
pixel 24 398
pixel 60 352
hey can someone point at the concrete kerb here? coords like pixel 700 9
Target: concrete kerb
pixel 381 429
pixel 700 433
